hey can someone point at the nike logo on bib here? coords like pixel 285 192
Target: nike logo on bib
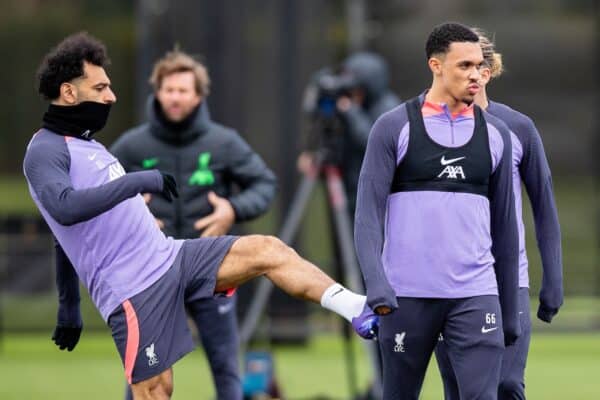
pixel 443 160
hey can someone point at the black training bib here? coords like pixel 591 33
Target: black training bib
pixel 429 166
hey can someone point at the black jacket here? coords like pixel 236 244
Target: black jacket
pixel 358 123
pixel 371 72
pixel 204 157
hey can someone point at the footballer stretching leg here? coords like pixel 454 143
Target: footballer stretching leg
pixel 138 279
pixel 243 258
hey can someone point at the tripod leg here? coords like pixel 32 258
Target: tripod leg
pixel 345 242
pixel 287 234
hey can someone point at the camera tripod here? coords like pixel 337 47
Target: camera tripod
pixel 330 174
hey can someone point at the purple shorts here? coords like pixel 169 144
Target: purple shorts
pixel 150 329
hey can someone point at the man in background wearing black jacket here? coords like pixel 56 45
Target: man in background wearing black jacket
pixel 209 161
pixel 358 110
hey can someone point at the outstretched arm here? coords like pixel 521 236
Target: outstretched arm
pixel 47 171
pixel 69 206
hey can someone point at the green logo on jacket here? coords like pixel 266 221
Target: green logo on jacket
pixel 203 176
pixel 149 162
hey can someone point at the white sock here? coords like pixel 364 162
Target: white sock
pixel 343 301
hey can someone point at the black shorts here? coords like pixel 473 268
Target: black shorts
pixel 150 329
pixel 471 329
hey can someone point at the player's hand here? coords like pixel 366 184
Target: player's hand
pixel 219 222
pixel 66 337
pixel 510 338
pixel 382 298
pixel 511 331
pixel 169 190
pixel 159 222
pixel 343 104
pixel 546 313
pixel 68 325
pixel 306 163
pixel 356 98
pixel 382 310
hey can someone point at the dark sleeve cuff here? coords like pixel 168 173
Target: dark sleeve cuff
pixel 69 315
pixel 546 314
pixel 381 300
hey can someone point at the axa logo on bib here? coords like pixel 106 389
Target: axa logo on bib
pixel 451 171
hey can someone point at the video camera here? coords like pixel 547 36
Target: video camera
pixel 326 87
pixel 320 104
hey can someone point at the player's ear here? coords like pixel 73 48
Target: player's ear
pixel 68 93
pixel 435 65
pixel 486 75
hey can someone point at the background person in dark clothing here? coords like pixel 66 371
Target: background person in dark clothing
pixel 210 162
pixel 358 110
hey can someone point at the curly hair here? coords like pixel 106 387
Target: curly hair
pixel 491 58
pixel 444 35
pixel 65 62
pixel 176 61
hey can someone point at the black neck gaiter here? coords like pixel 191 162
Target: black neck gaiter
pixel 178 127
pixel 81 120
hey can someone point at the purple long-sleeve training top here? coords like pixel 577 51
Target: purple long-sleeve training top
pixel 530 167
pixel 431 244
pixel 98 217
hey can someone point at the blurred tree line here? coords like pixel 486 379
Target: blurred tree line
pixel 29 29
pixel 550 50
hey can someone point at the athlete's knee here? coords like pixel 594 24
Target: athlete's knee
pixel 273 251
pixel 165 389
pixel 156 388
pixel 510 389
pixel 168 389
